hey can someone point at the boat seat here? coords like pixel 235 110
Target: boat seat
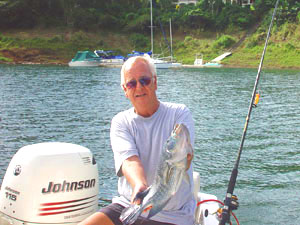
pixel 196 178
pixel 200 217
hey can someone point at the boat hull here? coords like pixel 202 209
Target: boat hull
pixel 161 64
pixel 111 62
pixel 59 184
pixel 84 63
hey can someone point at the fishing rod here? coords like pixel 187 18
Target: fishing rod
pixel 229 198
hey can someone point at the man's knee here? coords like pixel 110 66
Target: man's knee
pixel 97 218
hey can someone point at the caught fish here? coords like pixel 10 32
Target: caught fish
pixel 170 173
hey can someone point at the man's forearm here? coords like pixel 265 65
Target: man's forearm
pixel 133 170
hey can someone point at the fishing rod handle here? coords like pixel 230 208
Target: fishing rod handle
pixel 227 209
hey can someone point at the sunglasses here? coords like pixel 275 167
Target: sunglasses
pixel 144 81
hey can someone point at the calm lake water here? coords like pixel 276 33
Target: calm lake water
pixel 57 103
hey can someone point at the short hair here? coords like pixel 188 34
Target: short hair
pixel 129 62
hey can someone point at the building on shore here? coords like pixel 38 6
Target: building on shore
pixel 241 2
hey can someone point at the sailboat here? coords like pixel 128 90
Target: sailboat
pixel 162 63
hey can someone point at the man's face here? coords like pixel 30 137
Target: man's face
pixel 137 87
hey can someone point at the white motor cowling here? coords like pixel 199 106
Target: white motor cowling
pixel 50 183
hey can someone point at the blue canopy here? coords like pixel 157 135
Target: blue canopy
pixel 108 54
pixel 137 53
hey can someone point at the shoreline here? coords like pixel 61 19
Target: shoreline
pixel 38 57
pixel 185 66
pixel 56 46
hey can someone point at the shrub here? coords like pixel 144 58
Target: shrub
pixel 4 59
pixel 139 41
pixel 252 42
pixel 84 18
pixel 225 41
pixel 140 23
pixel 107 21
pixel 289 47
pixel 234 15
pixel 188 38
pixel 287 30
pixel 78 37
pixel 56 39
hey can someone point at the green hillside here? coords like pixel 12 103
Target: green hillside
pixel 195 29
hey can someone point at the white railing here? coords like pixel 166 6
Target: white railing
pixel 243 2
pixel 186 2
pixel 247 2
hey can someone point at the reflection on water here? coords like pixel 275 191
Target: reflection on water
pixel 50 103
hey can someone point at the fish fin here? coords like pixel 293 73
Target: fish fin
pixel 148 208
pixel 154 210
pixel 130 214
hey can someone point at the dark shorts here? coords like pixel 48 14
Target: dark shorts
pixel 113 211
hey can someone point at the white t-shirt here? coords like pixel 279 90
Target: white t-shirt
pixel 145 137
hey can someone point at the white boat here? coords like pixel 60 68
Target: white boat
pixel 109 59
pixel 85 63
pixel 164 62
pixel 159 62
pixel 212 64
pixel 85 58
pixel 58 183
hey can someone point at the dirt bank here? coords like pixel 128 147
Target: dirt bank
pixel 32 56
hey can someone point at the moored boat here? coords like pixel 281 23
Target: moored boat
pixel 162 63
pixel 85 58
pixel 212 64
pixel 159 62
pixel 109 58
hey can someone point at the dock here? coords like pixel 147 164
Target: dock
pixel 221 57
pixel 201 66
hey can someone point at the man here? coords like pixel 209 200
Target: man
pixel 138 136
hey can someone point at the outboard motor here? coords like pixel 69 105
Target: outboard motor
pixel 49 183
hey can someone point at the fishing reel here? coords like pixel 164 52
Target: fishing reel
pixel 234 204
pixel 211 214
pixel 230 203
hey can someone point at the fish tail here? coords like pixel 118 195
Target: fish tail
pixel 130 214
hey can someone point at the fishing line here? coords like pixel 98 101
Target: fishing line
pixel 228 198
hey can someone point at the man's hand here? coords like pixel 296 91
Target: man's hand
pixel 137 194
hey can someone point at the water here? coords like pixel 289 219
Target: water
pixel 56 103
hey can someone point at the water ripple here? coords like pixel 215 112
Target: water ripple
pixel 51 103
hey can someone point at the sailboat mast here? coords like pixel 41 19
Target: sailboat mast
pixel 171 40
pixel 151 29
